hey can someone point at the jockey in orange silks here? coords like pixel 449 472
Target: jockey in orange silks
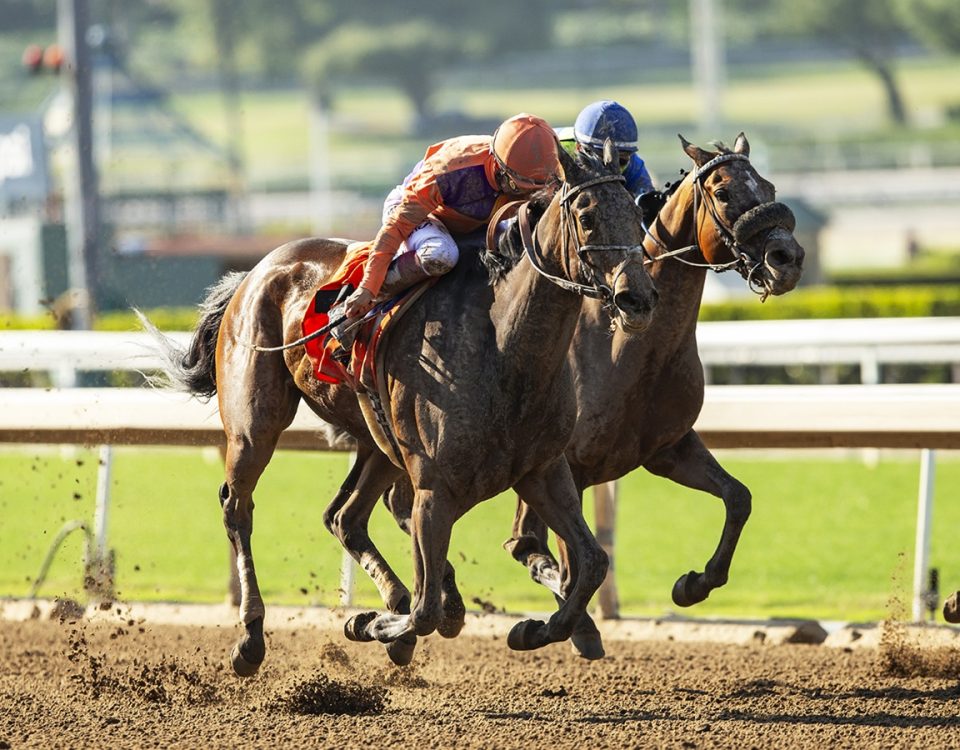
pixel 455 189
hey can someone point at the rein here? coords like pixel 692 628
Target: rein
pixel 595 289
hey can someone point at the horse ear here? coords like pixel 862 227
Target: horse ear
pixel 610 154
pixel 568 165
pixel 742 146
pixel 699 156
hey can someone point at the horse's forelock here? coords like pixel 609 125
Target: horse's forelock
pixel 593 164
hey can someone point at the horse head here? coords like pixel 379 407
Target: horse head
pixel 595 225
pixel 737 222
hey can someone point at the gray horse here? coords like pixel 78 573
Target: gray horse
pixel 478 396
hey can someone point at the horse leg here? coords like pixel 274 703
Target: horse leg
pixel 432 518
pixel 245 461
pixel 530 548
pixel 951 608
pixel 553 495
pixel 399 501
pixel 347 518
pixel 688 462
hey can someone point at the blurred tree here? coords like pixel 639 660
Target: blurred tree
pixel 870 29
pixel 28 15
pixel 936 22
pixel 411 47
pixel 407 54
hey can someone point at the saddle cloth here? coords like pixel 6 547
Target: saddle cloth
pixel 363 358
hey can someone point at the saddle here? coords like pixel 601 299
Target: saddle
pixel 357 368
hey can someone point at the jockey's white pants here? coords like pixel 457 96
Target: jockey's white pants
pixel 432 242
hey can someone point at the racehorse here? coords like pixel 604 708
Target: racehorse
pixel 479 399
pixel 722 215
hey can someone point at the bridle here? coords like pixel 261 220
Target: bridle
pixel 595 288
pixel 745 264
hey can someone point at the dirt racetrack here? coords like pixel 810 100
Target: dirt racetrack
pixel 122 681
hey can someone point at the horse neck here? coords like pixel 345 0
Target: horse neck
pixel 680 285
pixel 534 318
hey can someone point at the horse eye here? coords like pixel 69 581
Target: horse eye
pixel 722 195
pixel 586 222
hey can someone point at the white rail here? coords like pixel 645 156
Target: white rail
pixel 874 416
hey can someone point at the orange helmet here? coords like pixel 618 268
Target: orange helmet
pixel 525 148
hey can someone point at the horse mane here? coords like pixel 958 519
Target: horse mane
pixel 498 262
pixel 509 250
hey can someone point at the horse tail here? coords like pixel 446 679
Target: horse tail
pixel 194 368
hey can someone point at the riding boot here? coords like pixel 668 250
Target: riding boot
pixel 405 270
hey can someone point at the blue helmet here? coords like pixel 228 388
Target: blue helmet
pixel 606 119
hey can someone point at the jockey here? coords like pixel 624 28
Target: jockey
pixel 608 119
pixel 454 189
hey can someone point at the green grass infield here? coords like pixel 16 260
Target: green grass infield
pixel 831 535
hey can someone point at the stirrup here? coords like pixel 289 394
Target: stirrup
pixel 345 333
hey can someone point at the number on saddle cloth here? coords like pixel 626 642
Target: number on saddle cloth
pixel 327 299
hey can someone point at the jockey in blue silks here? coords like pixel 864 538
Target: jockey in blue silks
pixel 608 119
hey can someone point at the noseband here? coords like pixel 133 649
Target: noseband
pixel 595 289
pixel 745 264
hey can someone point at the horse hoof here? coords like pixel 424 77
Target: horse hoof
pixel 524 636
pixel 951 608
pixel 400 651
pixel 242 667
pixel 587 645
pixel 450 627
pixel 355 629
pixel 454 617
pixel 683 590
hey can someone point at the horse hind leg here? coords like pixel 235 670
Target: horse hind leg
pixel 530 548
pixel 689 463
pixel 249 450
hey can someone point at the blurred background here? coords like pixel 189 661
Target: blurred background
pixel 212 131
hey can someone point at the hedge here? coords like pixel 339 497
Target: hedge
pixel 843 302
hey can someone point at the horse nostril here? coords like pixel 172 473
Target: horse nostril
pixel 631 304
pixel 779 258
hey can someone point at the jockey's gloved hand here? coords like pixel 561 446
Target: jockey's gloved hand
pixel 359 303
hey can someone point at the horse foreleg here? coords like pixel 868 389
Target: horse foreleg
pixel 689 463
pixel 399 501
pixel 530 548
pixel 431 524
pixel 554 496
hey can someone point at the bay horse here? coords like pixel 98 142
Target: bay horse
pixel 722 215
pixel 480 399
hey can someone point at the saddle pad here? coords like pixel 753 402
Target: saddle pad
pixel 320 350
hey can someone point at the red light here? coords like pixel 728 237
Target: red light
pixel 53 58
pixel 32 58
